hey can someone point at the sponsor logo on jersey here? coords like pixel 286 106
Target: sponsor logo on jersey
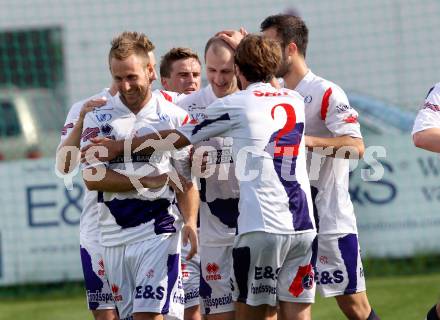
pixel 185 273
pixel 351 119
pixel 89 133
pixel 213 269
pixel 259 93
pixel 178 297
pixel 223 155
pixel 263 288
pixel 343 108
pixel 433 107
pixel 326 277
pixel 65 128
pixel 163 117
pixel 116 295
pixel 149 292
pixel 216 302
pixel 99 297
pixel 101 271
pixel 103 117
pixel 323 259
pixel 197 117
pixel 308 99
pixel 192 294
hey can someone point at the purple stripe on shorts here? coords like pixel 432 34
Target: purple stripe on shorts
pixel 241 262
pixel 93 283
pixel 205 290
pixel 173 272
pixel 348 247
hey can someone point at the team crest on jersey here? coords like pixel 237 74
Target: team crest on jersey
pixel 150 274
pixel 308 99
pixel 116 295
pixel 106 129
pixel 213 270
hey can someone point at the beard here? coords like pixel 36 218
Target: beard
pixel 239 85
pixel 283 69
pixel 136 98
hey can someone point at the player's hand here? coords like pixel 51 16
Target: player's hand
pixel 90 106
pixel 111 149
pixel 308 140
pixel 189 233
pixel 232 37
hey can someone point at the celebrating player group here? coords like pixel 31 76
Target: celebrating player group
pixel 224 202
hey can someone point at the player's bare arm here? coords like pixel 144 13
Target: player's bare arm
pixel 428 139
pixel 113 181
pixel 149 143
pixel 67 158
pixel 189 206
pixel 354 146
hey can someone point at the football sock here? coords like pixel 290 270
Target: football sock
pixel 432 314
pixel 373 316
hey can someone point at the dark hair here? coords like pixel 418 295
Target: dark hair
pixel 258 58
pixel 289 28
pixel 173 55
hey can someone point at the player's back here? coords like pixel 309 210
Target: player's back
pixel 269 153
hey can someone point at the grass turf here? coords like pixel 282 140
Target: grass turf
pixel 402 297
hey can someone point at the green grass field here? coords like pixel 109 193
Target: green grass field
pixel 394 298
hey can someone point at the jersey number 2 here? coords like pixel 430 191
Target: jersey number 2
pixel 282 146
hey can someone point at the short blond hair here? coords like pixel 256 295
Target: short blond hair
pixel 129 43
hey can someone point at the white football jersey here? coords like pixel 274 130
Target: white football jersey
pixel 170 96
pixel 88 222
pixel 429 115
pixel 266 125
pixel 329 114
pixel 219 192
pixel 129 217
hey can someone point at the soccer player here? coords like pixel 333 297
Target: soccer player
pixel 426 135
pixel 139 228
pixel 99 294
pixel 180 73
pixel 272 251
pixel 426 131
pixel 218 186
pixel 331 124
pixel 332 129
